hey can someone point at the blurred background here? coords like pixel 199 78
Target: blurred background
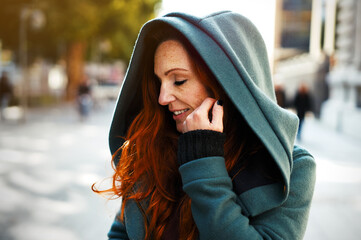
pixel 61 67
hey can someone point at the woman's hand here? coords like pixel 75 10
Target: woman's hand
pixel 199 120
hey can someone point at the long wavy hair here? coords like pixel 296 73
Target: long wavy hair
pixel 147 169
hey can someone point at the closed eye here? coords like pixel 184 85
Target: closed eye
pixel 178 83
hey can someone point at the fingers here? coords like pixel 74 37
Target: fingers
pixel 199 118
pixel 217 116
pixel 205 107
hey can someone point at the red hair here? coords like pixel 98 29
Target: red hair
pixel 148 168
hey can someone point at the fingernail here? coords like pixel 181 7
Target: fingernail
pixel 220 102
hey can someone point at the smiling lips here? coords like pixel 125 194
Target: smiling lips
pixel 180 111
pixel 177 115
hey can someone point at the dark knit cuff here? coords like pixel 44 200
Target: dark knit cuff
pixel 199 144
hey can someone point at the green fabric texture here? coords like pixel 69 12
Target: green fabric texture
pixel 235 52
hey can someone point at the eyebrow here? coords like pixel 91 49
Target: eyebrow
pixel 174 69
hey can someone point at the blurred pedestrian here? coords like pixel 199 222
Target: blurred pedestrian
pixel 201 150
pixel 84 100
pixel 302 104
pixel 280 95
pixel 6 92
pixel 321 89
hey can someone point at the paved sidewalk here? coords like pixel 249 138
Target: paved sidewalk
pixel 46 169
pixel 336 209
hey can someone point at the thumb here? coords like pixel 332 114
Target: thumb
pixel 217 116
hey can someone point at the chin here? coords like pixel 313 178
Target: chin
pixel 178 130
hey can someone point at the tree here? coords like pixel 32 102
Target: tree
pixel 73 28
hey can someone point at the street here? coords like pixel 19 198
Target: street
pixel 336 209
pixel 48 165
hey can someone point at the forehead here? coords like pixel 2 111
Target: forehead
pixel 171 53
pixel 169 47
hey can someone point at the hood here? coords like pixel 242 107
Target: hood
pixel 234 51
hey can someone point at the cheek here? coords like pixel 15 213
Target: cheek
pixel 199 95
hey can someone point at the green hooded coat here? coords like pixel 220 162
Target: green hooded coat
pixel 235 52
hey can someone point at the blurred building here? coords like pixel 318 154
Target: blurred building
pixel 294 60
pixel 331 67
pixel 342 110
pixel 296 19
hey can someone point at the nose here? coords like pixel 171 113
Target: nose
pixel 165 96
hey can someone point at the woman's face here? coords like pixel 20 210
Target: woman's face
pixel 181 87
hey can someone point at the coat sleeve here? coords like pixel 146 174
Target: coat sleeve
pixel 117 230
pixel 218 215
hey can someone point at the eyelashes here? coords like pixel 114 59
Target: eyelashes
pixel 178 83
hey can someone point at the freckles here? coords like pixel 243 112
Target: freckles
pixel 202 92
pixel 170 57
pixel 199 98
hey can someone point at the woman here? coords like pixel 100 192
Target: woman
pixel 200 148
